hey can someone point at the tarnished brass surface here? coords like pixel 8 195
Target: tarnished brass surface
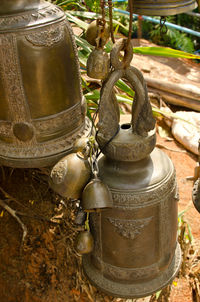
pixel 96 195
pixel 98 64
pixel 163 7
pixel 196 194
pixel 70 175
pixel 196 188
pixel 135 251
pixel 42 110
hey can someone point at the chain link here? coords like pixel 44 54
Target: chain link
pixel 163 27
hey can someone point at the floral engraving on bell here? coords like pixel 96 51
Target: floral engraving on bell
pixel 46 14
pixel 130 199
pixel 48 37
pixel 130 228
pixel 12 80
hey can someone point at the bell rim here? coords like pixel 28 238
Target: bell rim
pixel 123 290
pixel 165 11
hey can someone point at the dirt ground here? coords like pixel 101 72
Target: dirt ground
pixel 46 266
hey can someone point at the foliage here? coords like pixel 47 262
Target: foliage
pixel 80 13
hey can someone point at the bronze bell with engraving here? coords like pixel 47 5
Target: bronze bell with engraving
pixel 135 250
pixel 42 110
pixel 162 7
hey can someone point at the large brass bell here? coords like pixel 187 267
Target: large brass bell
pixel 135 251
pixel 162 7
pixel 96 196
pixel 42 109
pixel 70 175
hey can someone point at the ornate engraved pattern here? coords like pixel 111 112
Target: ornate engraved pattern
pixel 53 34
pixel 129 274
pixel 133 289
pixel 152 196
pixel 130 228
pixel 45 14
pixel 70 118
pixel 46 149
pixel 12 79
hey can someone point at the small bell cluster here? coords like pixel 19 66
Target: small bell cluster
pixel 76 177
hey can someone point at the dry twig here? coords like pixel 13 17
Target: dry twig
pixel 13 213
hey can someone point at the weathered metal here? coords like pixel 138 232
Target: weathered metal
pixel 196 188
pixel 135 251
pixel 96 196
pixel 98 64
pixel 70 175
pixel 42 110
pixel 163 7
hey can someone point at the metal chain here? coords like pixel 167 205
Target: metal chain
pixel 110 5
pixel 130 5
pixel 163 27
pixel 101 23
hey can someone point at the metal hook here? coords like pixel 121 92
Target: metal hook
pixel 163 27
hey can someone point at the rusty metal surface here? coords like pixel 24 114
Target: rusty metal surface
pixel 163 7
pixel 41 103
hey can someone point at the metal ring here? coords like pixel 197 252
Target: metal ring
pixel 115 54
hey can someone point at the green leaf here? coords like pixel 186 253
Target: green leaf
pixel 164 52
pixel 91 15
pixel 77 21
pixel 93 95
pixel 125 88
pixel 84 44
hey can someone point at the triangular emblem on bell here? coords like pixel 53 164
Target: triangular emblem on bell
pixel 162 7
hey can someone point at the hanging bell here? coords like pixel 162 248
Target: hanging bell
pixel 84 243
pixel 98 64
pixel 163 7
pixel 136 252
pixel 42 109
pixel 94 36
pixel 96 196
pixel 70 175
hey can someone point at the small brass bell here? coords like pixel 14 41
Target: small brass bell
pixel 92 34
pixel 70 175
pixel 84 242
pixel 163 7
pixel 98 64
pixel 96 195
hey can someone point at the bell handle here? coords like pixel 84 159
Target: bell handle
pixel 142 118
